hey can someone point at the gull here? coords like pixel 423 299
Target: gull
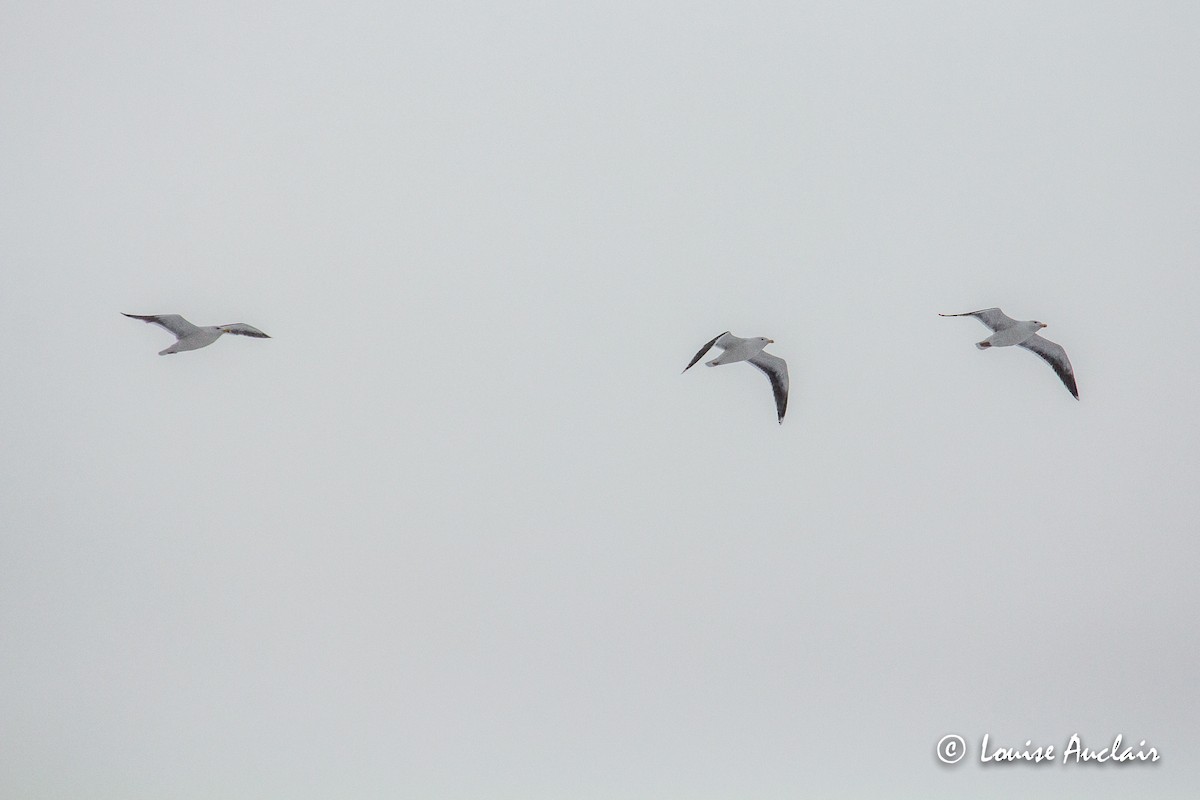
pixel 1008 331
pixel 193 337
pixel 738 349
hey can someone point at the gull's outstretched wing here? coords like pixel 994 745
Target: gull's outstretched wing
pixel 242 329
pixel 1053 354
pixel 703 350
pixel 994 318
pixel 171 322
pixel 776 370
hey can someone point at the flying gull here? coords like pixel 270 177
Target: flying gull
pixel 1008 331
pixel 738 349
pixel 193 337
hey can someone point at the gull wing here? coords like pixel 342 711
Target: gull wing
pixel 1054 355
pixel 994 318
pixel 242 329
pixel 703 350
pixel 775 369
pixel 171 322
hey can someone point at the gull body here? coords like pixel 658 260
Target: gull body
pixel 1015 334
pixel 1024 333
pixel 738 349
pixel 193 337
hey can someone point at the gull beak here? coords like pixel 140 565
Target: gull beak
pixel 770 341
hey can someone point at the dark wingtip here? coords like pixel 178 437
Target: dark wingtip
pixel 1069 381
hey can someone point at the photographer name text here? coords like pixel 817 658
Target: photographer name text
pixel 952 747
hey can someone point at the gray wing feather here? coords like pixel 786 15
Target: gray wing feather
pixel 775 369
pixel 171 322
pixel 242 329
pixel 1054 355
pixel 994 318
pixel 703 350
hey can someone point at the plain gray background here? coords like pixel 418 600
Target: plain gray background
pixel 462 530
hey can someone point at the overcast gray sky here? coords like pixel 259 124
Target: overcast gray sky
pixel 462 530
